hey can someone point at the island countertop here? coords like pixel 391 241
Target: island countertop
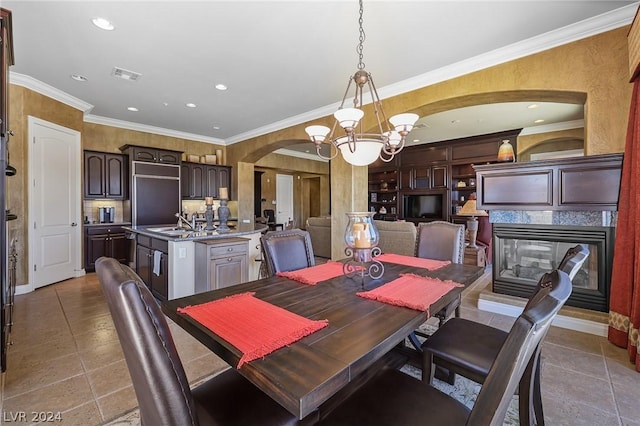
pixel 237 231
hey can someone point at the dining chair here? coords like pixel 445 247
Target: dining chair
pixel 469 348
pixel 158 377
pixel 287 250
pixel 440 240
pixel 270 214
pixel 392 397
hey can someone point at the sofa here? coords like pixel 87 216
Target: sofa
pixel 319 229
pixel 395 237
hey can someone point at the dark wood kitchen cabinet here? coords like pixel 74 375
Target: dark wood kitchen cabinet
pixel 156 279
pixel 152 155
pixel 107 241
pixel 199 180
pixel 193 181
pixel 105 175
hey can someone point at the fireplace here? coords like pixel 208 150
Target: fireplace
pixel 522 252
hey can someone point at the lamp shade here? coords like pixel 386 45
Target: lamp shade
pixel 348 117
pixel 469 209
pixel 317 133
pixel 404 122
pixel 364 153
pixel 393 138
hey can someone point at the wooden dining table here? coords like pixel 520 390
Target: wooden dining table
pixel 306 374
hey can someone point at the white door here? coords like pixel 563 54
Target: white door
pixel 284 198
pixel 54 203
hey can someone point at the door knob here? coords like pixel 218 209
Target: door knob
pixel 74 224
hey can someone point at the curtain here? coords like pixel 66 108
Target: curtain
pixel 624 308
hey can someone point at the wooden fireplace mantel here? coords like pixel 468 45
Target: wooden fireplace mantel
pixel 590 183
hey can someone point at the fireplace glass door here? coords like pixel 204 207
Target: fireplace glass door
pixel 523 253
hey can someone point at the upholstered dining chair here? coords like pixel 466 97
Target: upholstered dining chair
pixel 287 250
pixel 441 241
pixel 159 380
pixel 469 348
pixel 394 398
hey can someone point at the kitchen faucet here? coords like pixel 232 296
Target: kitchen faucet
pixel 182 221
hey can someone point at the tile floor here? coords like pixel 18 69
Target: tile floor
pixel 66 358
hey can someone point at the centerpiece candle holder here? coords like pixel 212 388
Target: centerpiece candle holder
pixel 362 238
pixel 209 214
pixel 223 210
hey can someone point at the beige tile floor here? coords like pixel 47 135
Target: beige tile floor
pixel 66 358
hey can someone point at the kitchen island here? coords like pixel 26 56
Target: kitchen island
pixel 170 259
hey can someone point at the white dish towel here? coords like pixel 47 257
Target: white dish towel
pixel 157 255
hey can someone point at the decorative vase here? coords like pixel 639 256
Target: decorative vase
pixel 505 153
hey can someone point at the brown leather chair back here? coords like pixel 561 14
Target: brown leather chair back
pixel 521 345
pixel 441 241
pixel 159 380
pixel 287 250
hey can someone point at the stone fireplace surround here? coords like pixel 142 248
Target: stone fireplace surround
pixel 579 319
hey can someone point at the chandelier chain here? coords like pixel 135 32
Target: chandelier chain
pixel 360 47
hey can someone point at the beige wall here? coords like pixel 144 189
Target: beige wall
pixel 594 69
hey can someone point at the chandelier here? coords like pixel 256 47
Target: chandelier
pixel 357 147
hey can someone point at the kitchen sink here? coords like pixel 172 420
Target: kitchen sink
pixel 168 230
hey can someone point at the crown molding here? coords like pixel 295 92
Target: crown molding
pixel 49 91
pixel 587 28
pixel 96 119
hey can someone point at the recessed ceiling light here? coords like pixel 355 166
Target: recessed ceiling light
pixel 532 106
pixel 78 77
pixel 191 105
pixel 216 128
pixel 134 109
pixel 221 86
pixel 540 120
pixel 165 104
pixel 416 140
pixel 103 24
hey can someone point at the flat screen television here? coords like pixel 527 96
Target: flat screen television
pixel 423 206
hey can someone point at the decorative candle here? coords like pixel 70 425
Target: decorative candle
pixel 223 194
pixel 361 236
pixel 208 200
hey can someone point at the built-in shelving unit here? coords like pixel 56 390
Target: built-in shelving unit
pixel 432 181
pixel 383 194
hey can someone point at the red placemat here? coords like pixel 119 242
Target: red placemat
pixel 254 326
pixel 411 291
pixel 314 274
pixel 417 262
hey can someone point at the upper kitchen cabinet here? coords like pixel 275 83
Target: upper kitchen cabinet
pixel 199 180
pixel 192 181
pixel 152 155
pixel 105 175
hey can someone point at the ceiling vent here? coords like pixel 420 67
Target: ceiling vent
pixel 125 74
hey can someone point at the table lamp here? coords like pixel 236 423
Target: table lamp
pixel 469 209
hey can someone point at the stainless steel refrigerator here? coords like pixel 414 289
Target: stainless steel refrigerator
pixel 155 193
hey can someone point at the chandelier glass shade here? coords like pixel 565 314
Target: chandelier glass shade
pixel 357 147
